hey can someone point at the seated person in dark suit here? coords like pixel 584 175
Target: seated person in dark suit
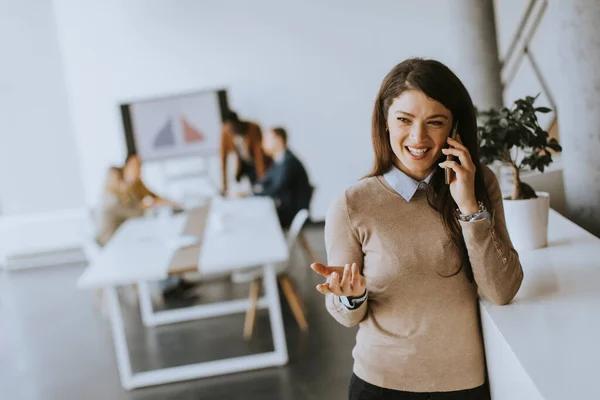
pixel 286 181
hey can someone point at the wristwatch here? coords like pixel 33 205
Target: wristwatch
pixel 352 303
pixel 471 217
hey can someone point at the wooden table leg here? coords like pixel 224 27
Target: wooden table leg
pixel 251 313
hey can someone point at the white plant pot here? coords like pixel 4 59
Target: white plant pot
pixel 527 221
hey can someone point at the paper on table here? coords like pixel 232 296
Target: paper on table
pixel 180 242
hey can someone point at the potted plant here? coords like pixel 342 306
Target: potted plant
pixel 514 137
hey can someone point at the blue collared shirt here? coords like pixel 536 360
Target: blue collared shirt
pixel 404 184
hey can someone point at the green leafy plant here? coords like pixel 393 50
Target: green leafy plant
pixel 514 136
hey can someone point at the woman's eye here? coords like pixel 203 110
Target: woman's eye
pixel 436 123
pixel 404 120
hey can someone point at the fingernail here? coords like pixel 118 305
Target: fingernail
pixel 334 275
pixel 347 267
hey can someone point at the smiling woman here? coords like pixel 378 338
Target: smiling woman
pixel 408 253
pixel 418 103
pixel 418 128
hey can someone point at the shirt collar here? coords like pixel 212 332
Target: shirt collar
pixel 404 184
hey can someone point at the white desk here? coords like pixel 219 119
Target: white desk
pixel 546 343
pixel 238 234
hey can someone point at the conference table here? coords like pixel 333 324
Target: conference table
pixel 220 237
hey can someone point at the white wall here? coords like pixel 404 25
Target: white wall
pixel 312 66
pixel 38 160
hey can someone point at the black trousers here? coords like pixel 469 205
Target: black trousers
pixel 361 390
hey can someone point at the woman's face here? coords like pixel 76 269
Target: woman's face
pixel 418 128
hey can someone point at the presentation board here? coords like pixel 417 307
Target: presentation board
pixel 175 126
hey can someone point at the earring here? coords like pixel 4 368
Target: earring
pixel 387 129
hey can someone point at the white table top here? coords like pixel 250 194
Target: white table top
pixel 553 324
pixel 239 234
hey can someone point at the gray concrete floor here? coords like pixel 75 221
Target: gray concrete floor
pixel 56 345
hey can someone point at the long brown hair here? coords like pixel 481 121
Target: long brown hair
pixel 114 179
pixel 439 83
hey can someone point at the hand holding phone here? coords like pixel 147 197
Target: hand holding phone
pixel 449 172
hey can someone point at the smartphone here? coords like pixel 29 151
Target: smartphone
pixel 450 157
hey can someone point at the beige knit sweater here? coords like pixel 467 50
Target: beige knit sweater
pixel 419 331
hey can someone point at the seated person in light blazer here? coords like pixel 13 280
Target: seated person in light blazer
pixel 286 181
pixel 135 187
pixel 115 206
pixel 126 196
pixel 243 137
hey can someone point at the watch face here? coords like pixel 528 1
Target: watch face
pixel 345 301
pixel 349 303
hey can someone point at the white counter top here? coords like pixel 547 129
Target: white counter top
pixel 552 327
